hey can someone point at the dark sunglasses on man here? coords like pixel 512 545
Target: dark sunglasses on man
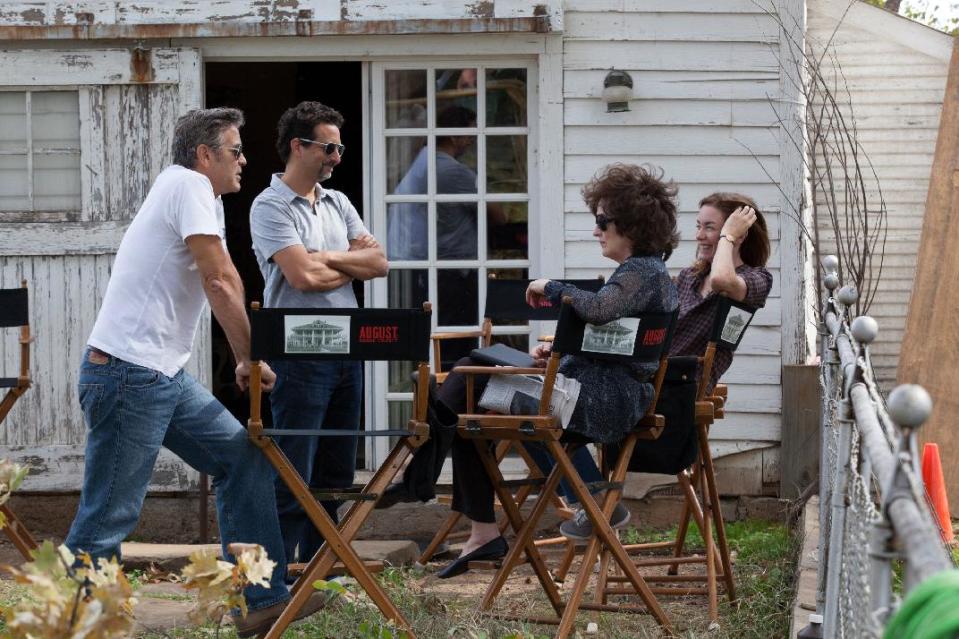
pixel 328 147
pixel 603 222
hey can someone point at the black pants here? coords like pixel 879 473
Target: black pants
pixel 424 469
pixel 473 492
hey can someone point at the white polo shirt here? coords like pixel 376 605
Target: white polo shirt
pixel 155 296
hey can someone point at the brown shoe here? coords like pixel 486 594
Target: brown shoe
pixel 259 622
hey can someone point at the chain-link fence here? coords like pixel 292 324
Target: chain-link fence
pixel 873 512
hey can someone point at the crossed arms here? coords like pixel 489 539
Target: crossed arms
pixel 328 270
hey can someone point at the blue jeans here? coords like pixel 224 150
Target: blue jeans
pixel 583 462
pixel 130 412
pixel 314 395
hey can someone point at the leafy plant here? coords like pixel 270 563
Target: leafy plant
pixel 70 596
pixel 219 584
pixel 11 476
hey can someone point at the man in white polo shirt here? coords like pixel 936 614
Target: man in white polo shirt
pixel 134 392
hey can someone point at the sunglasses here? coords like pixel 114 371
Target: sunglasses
pixel 603 222
pixel 237 150
pixel 328 147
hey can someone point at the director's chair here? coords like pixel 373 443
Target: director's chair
pixel 573 337
pixel 340 334
pixel 729 326
pixel 505 304
pixel 14 311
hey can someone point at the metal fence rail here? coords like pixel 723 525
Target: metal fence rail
pixel 873 510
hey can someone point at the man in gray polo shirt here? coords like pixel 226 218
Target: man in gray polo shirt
pixel 311 244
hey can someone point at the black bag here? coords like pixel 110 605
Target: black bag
pixel 502 355
pixel 426 465
pixel 678 445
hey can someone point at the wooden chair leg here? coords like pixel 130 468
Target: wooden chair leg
pixel 723 544
pixel 337 543
pixel 523 543
pixel 568 555
pixel 18 533
pixel 442 533
pixel 603 534
pixel 710 550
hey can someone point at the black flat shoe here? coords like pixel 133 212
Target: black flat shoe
pixel 395 494
pixel 495 549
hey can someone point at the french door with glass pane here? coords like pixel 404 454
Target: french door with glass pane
pixel 451 182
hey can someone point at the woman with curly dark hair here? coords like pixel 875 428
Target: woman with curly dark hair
pixel 635 214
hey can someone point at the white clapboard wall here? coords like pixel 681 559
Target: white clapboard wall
pixel 706 80
pixel 895 70
pixel 126 126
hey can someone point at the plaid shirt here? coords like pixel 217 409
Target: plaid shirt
pixel 697 313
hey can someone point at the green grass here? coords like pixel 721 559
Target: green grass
pixel 765 563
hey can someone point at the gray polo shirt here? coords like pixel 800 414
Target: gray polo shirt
pixel 280 218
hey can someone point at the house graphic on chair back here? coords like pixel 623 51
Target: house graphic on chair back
pixel 319 336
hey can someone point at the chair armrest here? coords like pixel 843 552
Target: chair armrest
pixel 721 390
pixel 497 370
pixel 705 412
pixel 546 338
pixel 455 335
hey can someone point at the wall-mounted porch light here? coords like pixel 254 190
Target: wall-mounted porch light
pixel 617 91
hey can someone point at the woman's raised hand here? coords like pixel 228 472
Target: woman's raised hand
pixel 541 353
pixel 536 293
pixel 739 222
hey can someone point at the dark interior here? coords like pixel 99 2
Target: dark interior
pixel 264 90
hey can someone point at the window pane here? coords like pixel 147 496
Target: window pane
pixel 506 164
pixel 455 98
pixel 13 183
pixel 406 165
pixel 400 413
pixel 13 122
pixel 408 288
pixel 406 232
pixel 453 350
pixel 510 274
pixel 519 342
pixel 507 233
pixel 505 97
pixel 55 119
pixel 406 99
pixel 456 231
pixel 455 164
pixel 457 297
pixel 56 181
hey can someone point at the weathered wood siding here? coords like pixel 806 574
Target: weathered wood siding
pixel 706 81
pixel 125 133
pixel 896 73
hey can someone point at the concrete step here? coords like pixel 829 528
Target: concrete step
pixel 173 557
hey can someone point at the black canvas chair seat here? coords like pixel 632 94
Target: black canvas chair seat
pixel 340 334
pixel 14 312
pixel 572 337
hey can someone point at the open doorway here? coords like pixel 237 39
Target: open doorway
pixel 264 90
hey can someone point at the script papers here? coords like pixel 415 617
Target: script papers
pixel 520 395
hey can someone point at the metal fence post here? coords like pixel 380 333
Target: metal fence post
pixel 837 507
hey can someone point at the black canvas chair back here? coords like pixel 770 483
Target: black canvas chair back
pixel 643 338
pixel 340 334
pixel 505 302
pixel 14 312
